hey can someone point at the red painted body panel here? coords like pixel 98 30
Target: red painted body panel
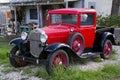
pixel 57 33
pixel 61 32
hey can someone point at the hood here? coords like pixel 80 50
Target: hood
pixel 55 29
pixel 57 33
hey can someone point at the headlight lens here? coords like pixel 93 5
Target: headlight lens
pixel 24 35
pixel 44 37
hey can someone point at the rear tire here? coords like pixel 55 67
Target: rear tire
pixel 107 49
pixel 59 57
pixel 15 62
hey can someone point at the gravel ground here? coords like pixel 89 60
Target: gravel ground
pixel 90 65
pixel 96 65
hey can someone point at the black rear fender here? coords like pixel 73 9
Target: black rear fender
pixel 105 36
pixel 100 38
pixel 53 47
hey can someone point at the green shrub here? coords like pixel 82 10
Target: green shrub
pixel 109 21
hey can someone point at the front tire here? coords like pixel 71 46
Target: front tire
pixel 14 61
pixel 59 57
pixel 107 49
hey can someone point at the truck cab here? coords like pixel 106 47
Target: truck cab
pixel 65 22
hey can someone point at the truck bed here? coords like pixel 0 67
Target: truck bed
pixel 104 29
pixel 114 31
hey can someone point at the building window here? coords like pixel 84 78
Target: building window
pixel 33 14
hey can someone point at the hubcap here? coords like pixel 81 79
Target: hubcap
pixel 107 49
pixel 60 59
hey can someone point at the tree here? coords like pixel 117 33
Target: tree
pixel 115 7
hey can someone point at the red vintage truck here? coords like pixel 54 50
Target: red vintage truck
pixel 71 32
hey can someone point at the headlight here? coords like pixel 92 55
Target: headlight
pixel 43 37
pixel 24 35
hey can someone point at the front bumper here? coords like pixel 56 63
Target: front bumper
pixel 27 59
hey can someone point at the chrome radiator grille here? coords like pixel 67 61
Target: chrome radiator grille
pixel 35 47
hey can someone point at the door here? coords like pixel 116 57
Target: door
pixel 87 28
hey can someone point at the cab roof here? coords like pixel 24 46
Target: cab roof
pixel 72 10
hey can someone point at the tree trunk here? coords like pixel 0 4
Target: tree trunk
pixel 115 7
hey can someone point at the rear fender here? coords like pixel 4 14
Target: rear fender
pixel 16 42
pixel 107 35
pixel 53 47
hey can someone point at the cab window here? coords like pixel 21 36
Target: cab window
pixel 64 18
pixel 87 19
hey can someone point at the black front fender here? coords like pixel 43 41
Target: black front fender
pixel 53 47
pixel 16 41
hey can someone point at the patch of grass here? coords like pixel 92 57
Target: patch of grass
pixel 113 70
pixel 113 55
pixel 27 71
pixel 114 51
pixel 6 65
pixel 96 59
pixel 109 72
pixel 9 69
pixel 1 39
pixel 84 61
pixel 4 48
pixel 41 72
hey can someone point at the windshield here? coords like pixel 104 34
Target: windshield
pixel 63 18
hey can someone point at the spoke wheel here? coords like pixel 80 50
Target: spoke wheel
pixel 55 59
pixel 76 43
pixel 14 61
pixel 107 49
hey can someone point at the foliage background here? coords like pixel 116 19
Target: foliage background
pixel 108 21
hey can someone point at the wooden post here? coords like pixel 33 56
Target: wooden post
pixel 41 16
pixel 38 13
pixel 66 4
pixel 115 7
pixel 15 13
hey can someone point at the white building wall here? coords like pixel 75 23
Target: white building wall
pixel 78 4
pixel 4 1
pixel 103 7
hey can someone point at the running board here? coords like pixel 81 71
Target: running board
pixel 89 54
